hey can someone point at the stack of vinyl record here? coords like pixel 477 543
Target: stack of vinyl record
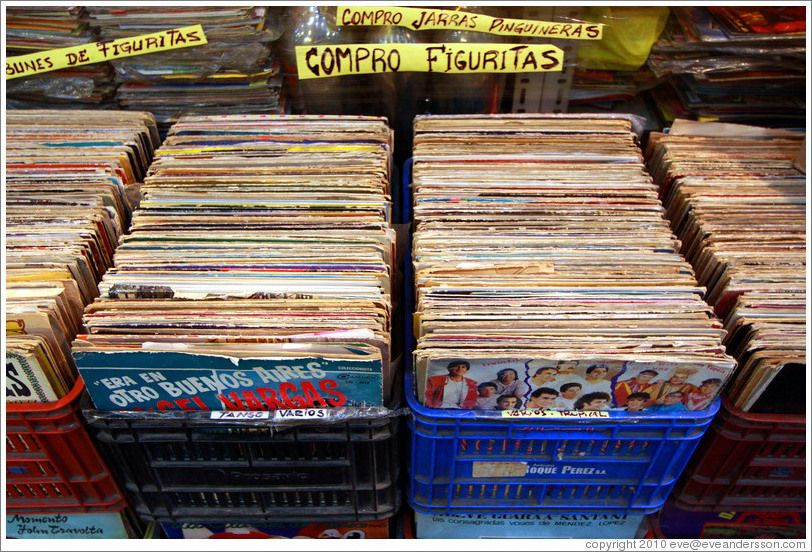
pixel 235 72
pixel 32 29
pixel 259 271
pixel 66 208
pixel 739 206
pixel 739 64
pixel 546 275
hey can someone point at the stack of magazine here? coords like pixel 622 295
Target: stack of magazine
pixel 235 72
pixel 739 64
pixel 546 275
pixel 258 274
pixel 739 206
pixel 32 29
pixel 66 209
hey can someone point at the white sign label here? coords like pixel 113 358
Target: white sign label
pixel 554 414
pixel 300 414
pixel 240 414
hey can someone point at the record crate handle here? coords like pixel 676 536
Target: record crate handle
pixel 618 425
pixel 50 417
pixel 752 426
pixel 53 464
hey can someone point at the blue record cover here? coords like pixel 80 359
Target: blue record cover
pixel 168 380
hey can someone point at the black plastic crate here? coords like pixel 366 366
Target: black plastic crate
pixel 185 468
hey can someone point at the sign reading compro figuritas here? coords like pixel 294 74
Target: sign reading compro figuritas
pixel 95 52
pixel 359 59
pixel 430 19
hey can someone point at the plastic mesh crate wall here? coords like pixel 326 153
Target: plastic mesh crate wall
pixel 747 460
pixel 52 464
pixel 465 462
pixel 174 471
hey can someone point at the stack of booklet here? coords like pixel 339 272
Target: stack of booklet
pixel 237 70
pixel 546 275
pixel 739 205
pixel 258 274
pixel 66 209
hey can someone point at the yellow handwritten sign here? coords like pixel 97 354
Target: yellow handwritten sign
pixel 94 52
pixel 570 414
pixel 359 59
pixel 429 19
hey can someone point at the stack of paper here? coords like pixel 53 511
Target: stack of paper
pixel 739 205
pixel 66 208
pixel 258 274
pixel 546 275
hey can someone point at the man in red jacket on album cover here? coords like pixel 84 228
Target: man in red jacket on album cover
pixel 637 384
pixel 453 390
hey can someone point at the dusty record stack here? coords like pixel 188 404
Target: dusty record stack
pixel 739 206
pixel 67 205
pixel 547 279
pixel 256 277
pixel 67 174
pixel 541 247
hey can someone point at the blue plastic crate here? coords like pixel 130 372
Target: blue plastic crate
pixel 477 462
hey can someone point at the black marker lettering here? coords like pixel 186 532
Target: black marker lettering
pixel 377 57
pixel 432 58
pixel 328 69
pixel 392 66
pixel 490 57
pixel 530 60
pixel 314 68
pixel 419 23
pixel 102 46
pixel 343 53
pixel 548 54
pixel 172 33
pixel 359 58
